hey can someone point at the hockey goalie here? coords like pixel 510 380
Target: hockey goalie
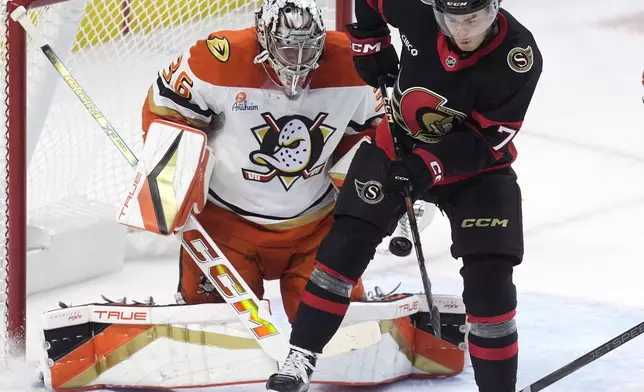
pixel 241 134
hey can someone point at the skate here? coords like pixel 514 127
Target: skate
pixel 295 373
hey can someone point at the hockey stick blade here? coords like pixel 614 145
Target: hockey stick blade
pixel 434 319
pixel 205 253
pixel 585 359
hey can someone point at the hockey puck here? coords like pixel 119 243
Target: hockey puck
pixel 400 246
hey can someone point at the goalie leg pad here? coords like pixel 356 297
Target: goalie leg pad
pixel 382 341
pixel 100 346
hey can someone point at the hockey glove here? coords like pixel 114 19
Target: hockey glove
pixel 410 170
pixel 373 54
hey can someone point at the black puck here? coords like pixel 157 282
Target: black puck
pixel 400 246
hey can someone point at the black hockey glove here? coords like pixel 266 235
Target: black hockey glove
pixel 373 54
pixel 411 169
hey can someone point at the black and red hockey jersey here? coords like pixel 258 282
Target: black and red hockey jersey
pixel 464 108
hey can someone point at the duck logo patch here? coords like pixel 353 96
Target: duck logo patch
pixel 290 148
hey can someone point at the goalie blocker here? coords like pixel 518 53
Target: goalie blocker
pixel 176 346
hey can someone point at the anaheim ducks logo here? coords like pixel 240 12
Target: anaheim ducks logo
pixel 289 148
pixel 423 114
pixel 206 288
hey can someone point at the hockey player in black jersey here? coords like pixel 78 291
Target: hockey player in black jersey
pixel 467 73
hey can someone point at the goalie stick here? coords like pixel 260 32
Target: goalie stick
pixel 434 314
pixel 205 253
pixel 585 359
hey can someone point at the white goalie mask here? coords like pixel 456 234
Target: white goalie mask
pixel 291 35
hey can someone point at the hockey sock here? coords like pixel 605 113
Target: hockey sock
pixel 493 346
pixel 319 315
pixel 342 258
pixel 490 300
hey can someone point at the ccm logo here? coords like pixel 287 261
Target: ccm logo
pixel 456 3
pixel 366 48
pixel 227 283
pixel 484 222
pixel 113 315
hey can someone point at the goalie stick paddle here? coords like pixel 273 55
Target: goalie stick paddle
pixel 584 360
pixel 203 250
pixel 434 314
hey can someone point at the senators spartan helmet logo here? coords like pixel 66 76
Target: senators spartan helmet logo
pixel 424 114
pixel 290 148
pixel 370 192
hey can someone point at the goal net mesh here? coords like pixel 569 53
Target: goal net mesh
pixel 113 48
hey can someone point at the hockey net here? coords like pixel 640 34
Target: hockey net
pixel 76 179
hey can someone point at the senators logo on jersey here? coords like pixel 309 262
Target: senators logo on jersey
pixel 423 114
pixel 290 147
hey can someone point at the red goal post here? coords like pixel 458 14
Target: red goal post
pixel 45 201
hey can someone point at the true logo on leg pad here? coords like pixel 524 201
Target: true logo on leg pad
pixel 370 191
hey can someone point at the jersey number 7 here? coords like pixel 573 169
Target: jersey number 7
pixel 511 133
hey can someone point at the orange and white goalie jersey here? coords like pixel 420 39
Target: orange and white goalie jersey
pixel 272 153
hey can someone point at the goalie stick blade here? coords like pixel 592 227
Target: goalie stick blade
pixel 400 246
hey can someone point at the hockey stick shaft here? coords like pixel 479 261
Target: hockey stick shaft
pixel 411 216
pixel 585 359
pixel 203 250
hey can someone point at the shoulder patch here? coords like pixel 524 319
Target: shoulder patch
pixel 521 59
pixel 219 47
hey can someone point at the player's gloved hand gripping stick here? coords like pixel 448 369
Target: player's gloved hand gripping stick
pixel 409 204
pixel 210 259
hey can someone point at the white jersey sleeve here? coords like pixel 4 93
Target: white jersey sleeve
pixel 180 91
pixel 369 109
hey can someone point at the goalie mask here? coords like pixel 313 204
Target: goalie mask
pixel 291 35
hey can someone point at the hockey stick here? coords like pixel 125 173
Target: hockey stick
pixel 203 250
pixel 585 359
pixel 434 314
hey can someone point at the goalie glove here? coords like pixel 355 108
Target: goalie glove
pixel 171 180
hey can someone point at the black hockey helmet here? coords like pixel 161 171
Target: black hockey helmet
pixel 460 7
pixel 463 20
